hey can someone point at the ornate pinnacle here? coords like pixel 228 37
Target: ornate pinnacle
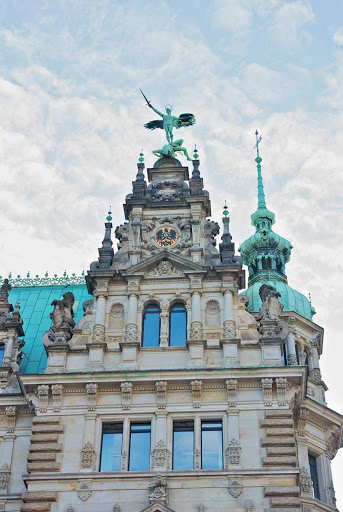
pixel 226 210
pixel 260 189
pixel 109 218
pixel 141 157
pixel 195 154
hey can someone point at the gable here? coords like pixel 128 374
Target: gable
pixel 164 264
pixel 157 507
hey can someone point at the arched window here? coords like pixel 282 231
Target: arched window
pixel 151 326
pixel 178 325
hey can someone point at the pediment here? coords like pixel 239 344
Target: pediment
pixel 157 507
pixel 164 264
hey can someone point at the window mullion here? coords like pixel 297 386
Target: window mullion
pixel 125 445
pixel 197 442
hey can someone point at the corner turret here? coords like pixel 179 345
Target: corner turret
pixel 266 254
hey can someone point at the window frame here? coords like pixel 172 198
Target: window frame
pixel 172 451
pixel 170 312
pixel 222 442
pixel 2 349
pixel 102 440
pixel 315 486
pixel 146 306
pixel 138 422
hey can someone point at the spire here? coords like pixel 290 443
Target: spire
pixel 226 247
pixel 265 252
pixel 262 210
pixel 106 251
pixel 260 189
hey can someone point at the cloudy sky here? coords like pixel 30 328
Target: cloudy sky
pixel 71 128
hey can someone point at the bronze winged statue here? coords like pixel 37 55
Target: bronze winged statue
pixel 168 121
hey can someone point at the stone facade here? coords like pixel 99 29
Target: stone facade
pixel 229 370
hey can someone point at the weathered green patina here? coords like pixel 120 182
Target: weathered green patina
pixel 266 254
pixel 168 123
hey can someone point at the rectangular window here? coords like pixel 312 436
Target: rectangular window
pixel 139 459
pixel 312 460
pixel 2 350
pixel 211 445
pixel 183 445
pixel 112 439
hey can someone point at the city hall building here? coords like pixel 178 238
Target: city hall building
pixel 162 381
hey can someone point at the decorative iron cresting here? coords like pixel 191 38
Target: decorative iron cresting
pixel 55 280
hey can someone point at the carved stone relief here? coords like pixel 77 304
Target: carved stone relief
pixel 165 268
pixel 158 489
pixel 232 453
pixel 4 476
pixel 267 391
pixel 235 487
pixel 212 313
pixel 116 318
pixel 88 456
pixel 126 392
pixel 160 455
pixel 196 386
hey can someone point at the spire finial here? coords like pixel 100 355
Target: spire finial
pixel 109 217
pixel 141 157
pixel 226 210
pixel 261 203
pixel 195 153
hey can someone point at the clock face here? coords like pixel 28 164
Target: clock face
pixel 166 237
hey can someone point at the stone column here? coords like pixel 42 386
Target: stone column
pixel 164 334
pixel 131 323
pixel 291 352
pixel 88 458
pixel 99 325
pixel 160 454
pixel 196 323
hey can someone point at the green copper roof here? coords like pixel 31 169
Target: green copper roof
pixel 35 308
pixel 290 298
pixel 266 254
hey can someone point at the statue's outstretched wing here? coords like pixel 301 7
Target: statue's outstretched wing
pixel 152 125
pixel 184 120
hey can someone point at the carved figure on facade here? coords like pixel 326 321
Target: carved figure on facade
pixel 116 508
pixel 249 506
pixel 63 323
pixel 211 230
pixel 201 507
pixel 158 489
pixel 232 453
pixel 305 480
pixel 333 440
pixel 88 456
pixel 270 311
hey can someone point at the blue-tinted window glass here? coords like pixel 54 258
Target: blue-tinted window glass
pixel 211 445
pixel 178 325
pixel 112 438
pixel 2 350
pixel 183 445
pixel 284 354
pixel 314 475
pixel 151 326
pixel 140 447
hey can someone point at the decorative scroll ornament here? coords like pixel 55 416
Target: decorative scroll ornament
pixel 131 333
pixel 196 331
pixel 98 334
pixel 64 280
pixel 229 330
